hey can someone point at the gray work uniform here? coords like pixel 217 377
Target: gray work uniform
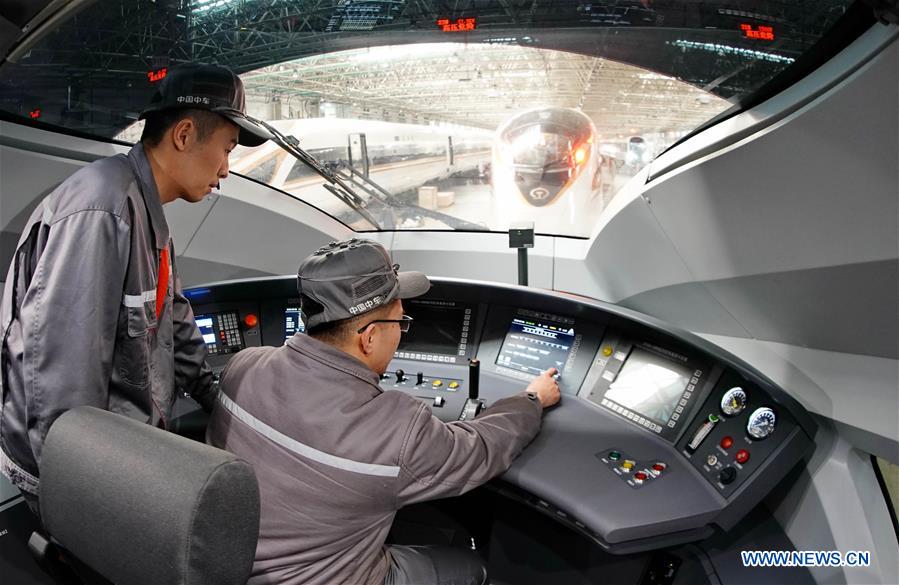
pixel 79 312
pixel 336 457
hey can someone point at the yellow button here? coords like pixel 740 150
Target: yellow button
pixel 437 383
pixel 607 350
pixel 628 464
pixel 453 385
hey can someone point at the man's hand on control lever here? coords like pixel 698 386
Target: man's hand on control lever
pixel 546 388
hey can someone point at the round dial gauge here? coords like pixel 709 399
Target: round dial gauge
pixel 761 423
pixel 734 401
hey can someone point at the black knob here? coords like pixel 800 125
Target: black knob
pixel 400 375
pixel 419 378
pixel 727 475
pixel 474 376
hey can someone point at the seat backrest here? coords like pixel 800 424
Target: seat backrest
pixel 140 505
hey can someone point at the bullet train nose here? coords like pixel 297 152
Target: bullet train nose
pixel 540 188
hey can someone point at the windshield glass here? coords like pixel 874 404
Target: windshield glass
pixel 468 117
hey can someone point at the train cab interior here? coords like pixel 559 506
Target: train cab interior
pixel 690 209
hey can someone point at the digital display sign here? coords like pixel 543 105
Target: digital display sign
pixel 457 25
pixel 158 75
pixel 761 32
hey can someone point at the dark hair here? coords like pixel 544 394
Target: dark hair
pixel 340 332
pixel 158 123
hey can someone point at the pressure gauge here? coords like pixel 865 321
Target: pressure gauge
pixel 734 401
pixel 761 423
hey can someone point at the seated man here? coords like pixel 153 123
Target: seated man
pixel 336 457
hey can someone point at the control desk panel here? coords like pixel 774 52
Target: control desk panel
pixel 660 437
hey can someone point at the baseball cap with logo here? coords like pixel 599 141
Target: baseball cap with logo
pixel 207 87
pixel 347 279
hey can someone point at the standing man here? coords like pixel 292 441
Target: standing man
pixel 92 313
pixel 335 456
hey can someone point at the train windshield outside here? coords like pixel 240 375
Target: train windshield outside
pixel 439 118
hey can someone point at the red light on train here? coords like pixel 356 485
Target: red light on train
pixel 763 33
pixel 158 75
pixel 458 25
pixel 35 113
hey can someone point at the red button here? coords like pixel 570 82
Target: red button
pixel 659 467
pixel 251 320
pixel 742 456
pixel 640 475
pixel 727 443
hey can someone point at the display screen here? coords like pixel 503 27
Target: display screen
pixel 534 345
pixel 293 322
pixel 220 331
pixel 204 323
pixel 439 328
pixel 650 385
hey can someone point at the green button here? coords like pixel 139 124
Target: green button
pixel 614 455
pixel 713 418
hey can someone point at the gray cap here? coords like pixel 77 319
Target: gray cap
pixel 347 279
pixel 208 87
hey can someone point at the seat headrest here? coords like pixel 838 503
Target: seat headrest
pixel 140 505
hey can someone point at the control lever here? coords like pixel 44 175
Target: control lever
pixel 400 376
pixel 473 405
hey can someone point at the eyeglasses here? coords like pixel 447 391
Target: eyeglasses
pixel 404 323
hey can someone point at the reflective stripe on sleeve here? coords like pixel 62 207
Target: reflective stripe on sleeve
pixel 134 301
pixel 305 450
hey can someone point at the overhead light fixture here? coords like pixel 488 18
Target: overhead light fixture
pixel 729 50
pixel 205 5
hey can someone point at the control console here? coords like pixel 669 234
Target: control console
pixel 660 437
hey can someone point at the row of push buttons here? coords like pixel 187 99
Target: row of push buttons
pixel 438 383
pixel 640 420
pixel 435 383
pixel 628 465
pixel 428 357
pixel 229 331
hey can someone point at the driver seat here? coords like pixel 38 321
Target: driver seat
pixel 136 504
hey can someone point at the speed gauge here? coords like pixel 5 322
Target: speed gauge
pixel 761 423
pixel 734 401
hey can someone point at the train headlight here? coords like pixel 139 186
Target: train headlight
pixel 580 155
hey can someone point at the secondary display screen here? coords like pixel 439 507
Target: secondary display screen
pixel 534 345
pixel 204 323
pixel 293 322
pixel 439 332
pixel 221 332
pixel 650 385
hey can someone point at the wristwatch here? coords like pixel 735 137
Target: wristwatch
pixel 532 396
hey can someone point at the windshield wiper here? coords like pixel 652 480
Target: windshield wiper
pixel 378 192
pixel 337 186
pixel 340 187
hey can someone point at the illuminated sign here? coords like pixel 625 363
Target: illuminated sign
pixel 35 113
pixel 157 75
pixel 764 33
pixel 458 25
